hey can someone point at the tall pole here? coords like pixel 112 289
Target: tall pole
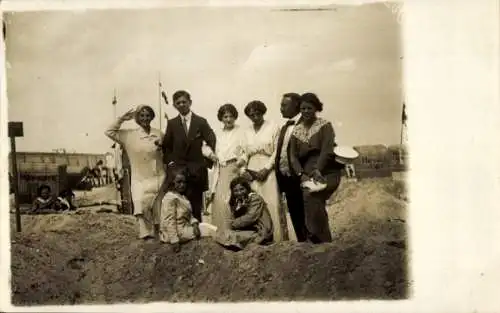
pixel 15 175
pixel 159 100
pixel 159 114
pixel 115 149
pixel 403 124
pixel 114 102
pixel 401 135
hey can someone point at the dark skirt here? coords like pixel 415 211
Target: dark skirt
pixel 316 216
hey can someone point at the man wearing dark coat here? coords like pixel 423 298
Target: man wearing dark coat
pixel 181 147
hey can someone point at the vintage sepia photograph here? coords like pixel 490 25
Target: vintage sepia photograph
pixel 207 154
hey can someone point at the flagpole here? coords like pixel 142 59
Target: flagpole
pixel 401 135
pixel 403 121
pixel 403 124
pixel 114 102
pixel 160 115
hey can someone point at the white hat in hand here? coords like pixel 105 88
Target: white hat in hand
pixel 344 154
pixel 313 185
pixel 207 151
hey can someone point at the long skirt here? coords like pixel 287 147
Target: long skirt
pixel 186 232
pixel 316 216
pixel 268 189
pixel 144 193
pixel 220 211
pixel 238 239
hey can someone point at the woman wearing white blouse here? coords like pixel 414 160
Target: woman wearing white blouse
pixel 143 150
pixel 260 152
pixel 229 155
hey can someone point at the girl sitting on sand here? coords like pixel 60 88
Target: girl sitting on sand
pixel 250 219
pixel 177 223
pixel 44 202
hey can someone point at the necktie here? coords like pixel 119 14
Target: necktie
pixel 184 124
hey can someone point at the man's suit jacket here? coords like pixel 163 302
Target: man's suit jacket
pixel 180 150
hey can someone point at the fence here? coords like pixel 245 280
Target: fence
pixel 30 181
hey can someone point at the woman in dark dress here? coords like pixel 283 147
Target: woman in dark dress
pixel 311 156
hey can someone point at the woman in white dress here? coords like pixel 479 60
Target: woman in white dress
pixel 142 145
pixel 259 150
pixel 229 156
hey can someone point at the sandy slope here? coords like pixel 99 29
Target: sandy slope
pixel 94 257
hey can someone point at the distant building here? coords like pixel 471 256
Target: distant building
pixel 379 160
pixel 47 162
pixel 36 168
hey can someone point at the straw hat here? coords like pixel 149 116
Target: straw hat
pixel 344 154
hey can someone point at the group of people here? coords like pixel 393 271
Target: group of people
pixel 254 166
pixel 46 202
pixel 97 176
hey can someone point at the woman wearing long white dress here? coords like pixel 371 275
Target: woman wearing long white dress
pixel 142 145
pixel 259 150
pixel 230 158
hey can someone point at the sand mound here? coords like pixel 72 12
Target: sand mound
pixel 95 258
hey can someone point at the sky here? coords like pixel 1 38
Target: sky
pixel 64 65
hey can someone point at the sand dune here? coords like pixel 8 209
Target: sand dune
pixel 95 258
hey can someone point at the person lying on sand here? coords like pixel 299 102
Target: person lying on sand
pixel 65 201
pixel 177 223
pixel 250 219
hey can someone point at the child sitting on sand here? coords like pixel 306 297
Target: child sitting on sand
pixel 44 202
pixel 177 223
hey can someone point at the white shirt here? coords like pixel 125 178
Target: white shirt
pixel 187 119
pixel 145 161
pixel 144 156
pixel 263 142
pixel 286 141
pixel 230 144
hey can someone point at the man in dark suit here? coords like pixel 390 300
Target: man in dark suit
pixel 288 180
pixel 181 147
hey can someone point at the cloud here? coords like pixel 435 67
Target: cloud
pixel 343 65
pixel 274 57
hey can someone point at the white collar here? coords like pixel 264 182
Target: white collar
pixel 236 126
pixel 143 133
pixel 187 117
pixel 295 119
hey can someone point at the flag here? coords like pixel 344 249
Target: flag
pixel 404 117
pixel 163 93
pixel 114 100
